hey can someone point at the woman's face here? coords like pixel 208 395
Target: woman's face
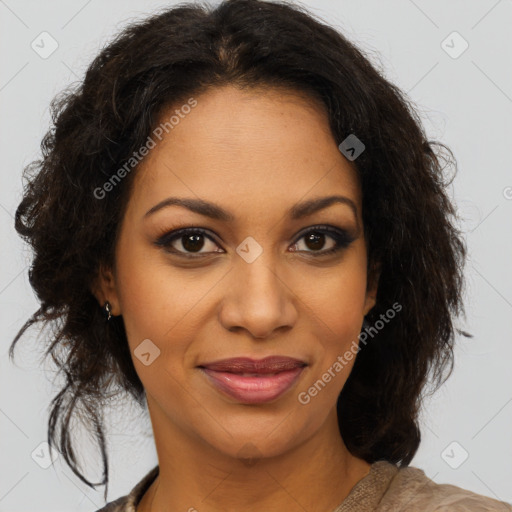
pixel 263 280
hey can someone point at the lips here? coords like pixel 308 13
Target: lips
pixel 271 364
pixel 251 381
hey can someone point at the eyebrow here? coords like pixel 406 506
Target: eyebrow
pixel 298 211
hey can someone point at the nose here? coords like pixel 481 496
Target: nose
pixel 257 300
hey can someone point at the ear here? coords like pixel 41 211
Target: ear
pixel 104 288
pixel 371 288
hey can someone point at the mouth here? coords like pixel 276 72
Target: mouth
pixel 252 381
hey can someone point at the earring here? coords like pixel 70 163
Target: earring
pixel 107 310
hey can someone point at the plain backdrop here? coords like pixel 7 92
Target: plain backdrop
pixel 464 96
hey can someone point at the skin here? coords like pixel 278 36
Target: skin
pixel 255 153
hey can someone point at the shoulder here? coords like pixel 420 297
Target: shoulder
pixel 411 488
pixel 120 505
pixel 129 502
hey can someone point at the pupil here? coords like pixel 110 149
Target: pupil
pixel 315 240
pixel 193 243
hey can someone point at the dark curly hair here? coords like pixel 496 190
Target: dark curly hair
pixel 408 217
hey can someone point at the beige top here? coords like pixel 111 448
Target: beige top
pixel 386 488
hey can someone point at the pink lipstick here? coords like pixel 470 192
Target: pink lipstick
pixel 253 381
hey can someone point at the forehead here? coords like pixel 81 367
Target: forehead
pixel 237 146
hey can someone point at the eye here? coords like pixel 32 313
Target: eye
pixel 188 242
pixel 197 243
pixel 317 237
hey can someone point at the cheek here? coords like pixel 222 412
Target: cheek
pixel 335 308
pixel 336 298
pixel 146 292
pixel 162 303
pixel 154 309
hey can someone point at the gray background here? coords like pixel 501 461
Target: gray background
pixel 465 102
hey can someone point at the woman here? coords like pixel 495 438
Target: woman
pixel 238 221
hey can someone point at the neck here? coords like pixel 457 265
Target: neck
pixel 194 476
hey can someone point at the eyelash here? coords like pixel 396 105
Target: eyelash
pixel 341 237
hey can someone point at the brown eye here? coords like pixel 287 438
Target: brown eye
pixel 192 243
pixel 315 240
pixel 188 242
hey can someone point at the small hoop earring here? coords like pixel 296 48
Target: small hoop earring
pixel 107 309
